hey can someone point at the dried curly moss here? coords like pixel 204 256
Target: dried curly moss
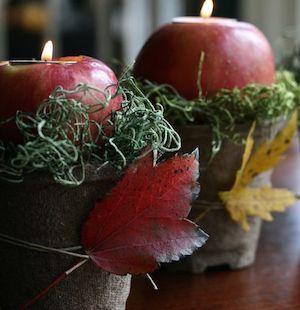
pixel 228 107
pixel 288 79
pixel 254 102
pixel 58 137
pixel 61 139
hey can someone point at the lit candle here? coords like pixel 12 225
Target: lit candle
pixel 24 84
pixel 235 55
pixel 46 58
pixel 47 51
pixel 207 8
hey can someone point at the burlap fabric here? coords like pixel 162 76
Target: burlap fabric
pixel 41 211
pixel 228 244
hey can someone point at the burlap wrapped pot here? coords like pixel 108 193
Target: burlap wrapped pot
pixel 228 244
pixel 44 212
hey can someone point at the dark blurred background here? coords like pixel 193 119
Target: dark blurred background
pixel 116 29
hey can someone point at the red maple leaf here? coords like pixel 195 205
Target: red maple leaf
pixel 143 221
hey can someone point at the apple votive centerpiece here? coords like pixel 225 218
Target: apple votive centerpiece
pixel 37 208
pixel 235 54
pixel 216 79
pixel 26 83
pixel 79 153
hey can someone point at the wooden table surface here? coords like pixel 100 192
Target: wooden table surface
pixel 272 283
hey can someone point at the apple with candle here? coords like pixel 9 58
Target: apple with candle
pixel 25 84
pixel 235 54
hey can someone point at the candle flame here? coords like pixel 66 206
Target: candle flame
pixel 207 8
pixel 47 51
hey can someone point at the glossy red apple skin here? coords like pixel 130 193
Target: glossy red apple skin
pixel 236 54
pixel 24 87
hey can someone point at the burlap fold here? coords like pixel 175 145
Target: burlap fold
pixel 44 212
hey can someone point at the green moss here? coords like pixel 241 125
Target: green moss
pixel 58 138
pixel 228 108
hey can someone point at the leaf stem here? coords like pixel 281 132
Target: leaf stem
pixel 152 281
pixel 53 284
pixel 37 247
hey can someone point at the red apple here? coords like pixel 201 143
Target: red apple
pixel 24 87
pixel 236 54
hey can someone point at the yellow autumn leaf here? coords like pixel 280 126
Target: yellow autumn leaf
pixel 242 201
pixel 247 152
pixel 259 201
pixel 268 154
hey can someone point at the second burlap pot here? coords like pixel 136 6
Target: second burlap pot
pixel 46 213
pixel 228 244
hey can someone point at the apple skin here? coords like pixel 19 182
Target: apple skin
pixel 236 54
pixel 24 87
